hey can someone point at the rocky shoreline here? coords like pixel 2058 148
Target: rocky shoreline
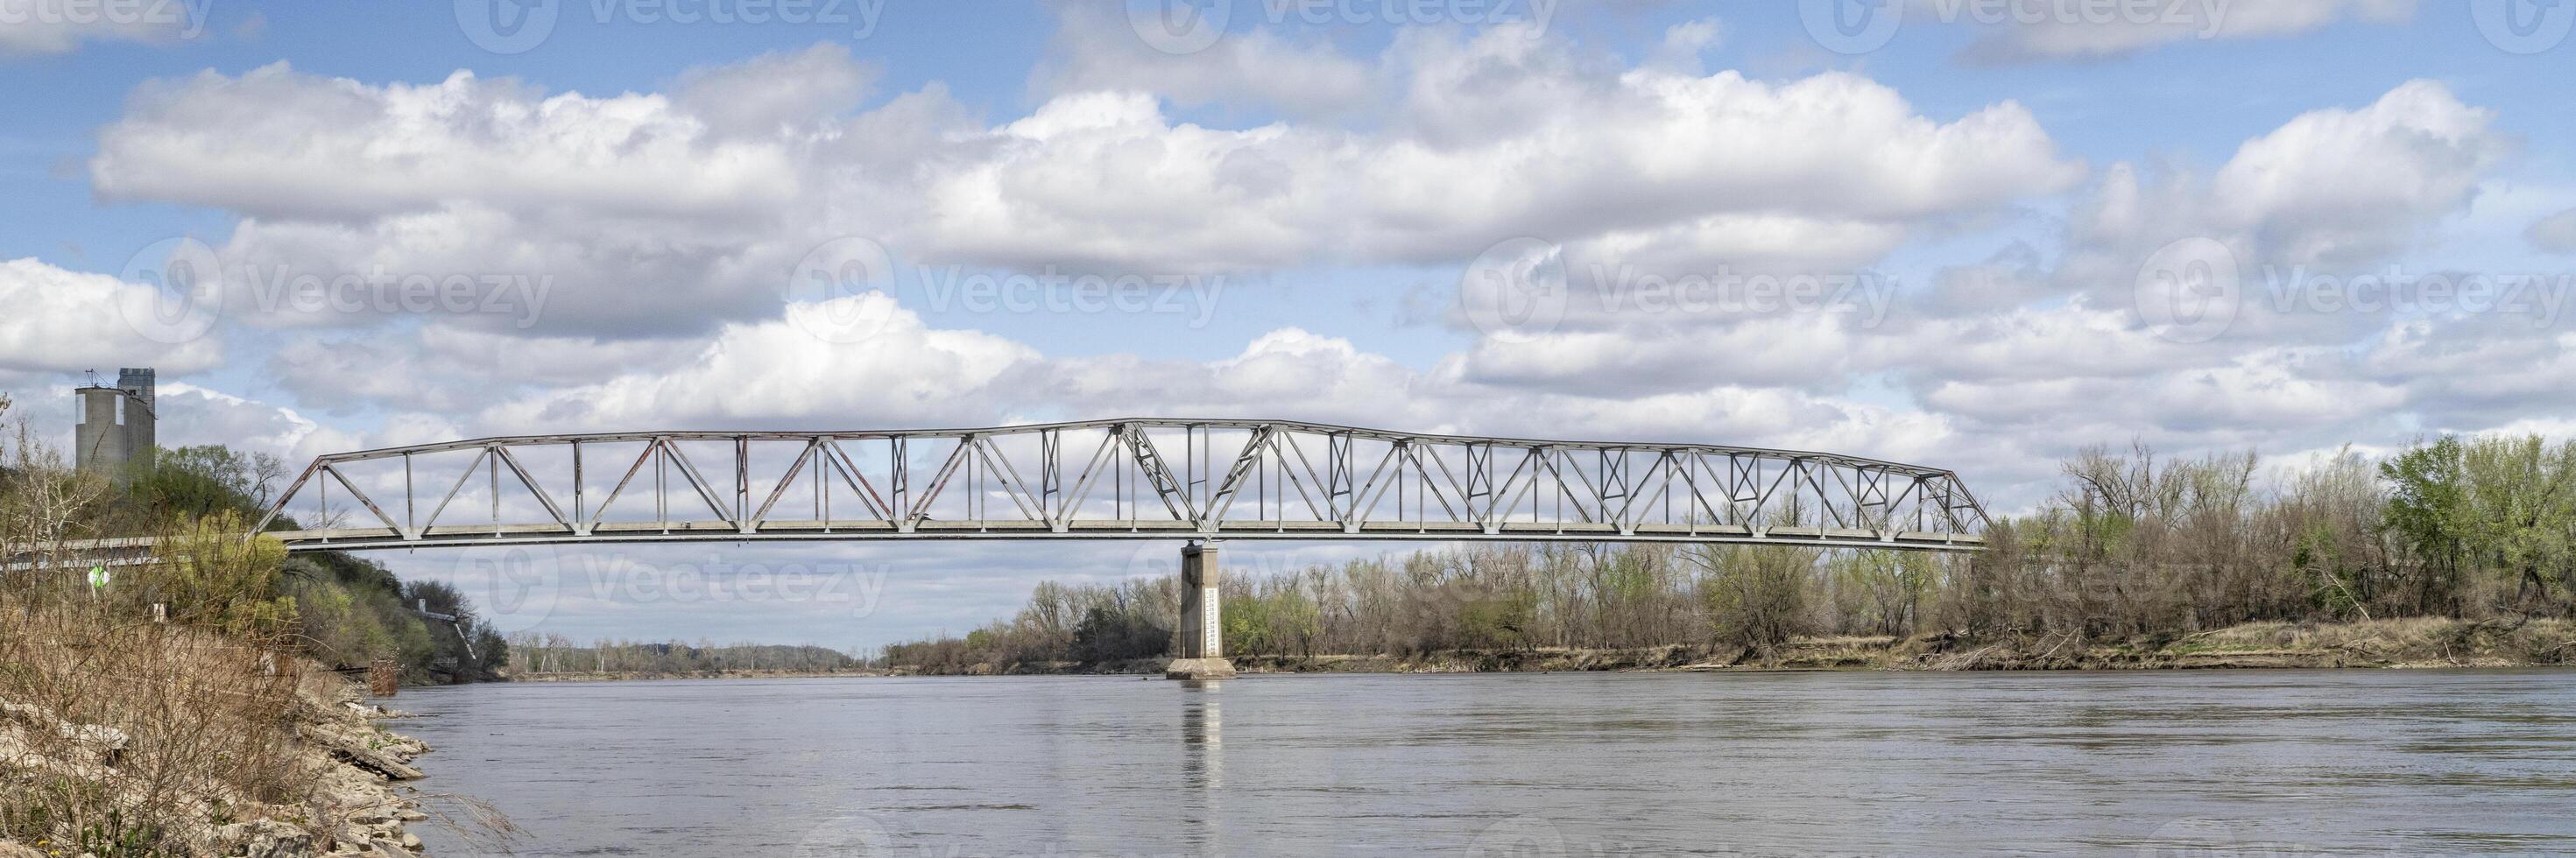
pixel 368 763
pixel 353 765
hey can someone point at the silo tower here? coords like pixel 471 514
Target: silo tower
pixel 118 424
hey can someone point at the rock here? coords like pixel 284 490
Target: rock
pixel 104 742
pixel 1199 668
pixel 369 751
pixel 353 837
pixel 94 735
pixel 265 838
pixel 377 763
pixel 389 849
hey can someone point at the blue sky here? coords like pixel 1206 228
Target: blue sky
pixel 1326 176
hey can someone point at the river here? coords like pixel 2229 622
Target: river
pixel 2144 763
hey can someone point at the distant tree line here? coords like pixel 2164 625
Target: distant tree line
pixel 2133 544
pixel 534 654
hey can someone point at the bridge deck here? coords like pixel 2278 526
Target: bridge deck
pixel 344 539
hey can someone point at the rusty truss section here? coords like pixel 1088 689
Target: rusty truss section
pixel 1111 479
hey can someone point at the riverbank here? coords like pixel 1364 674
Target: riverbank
pixel 2403 643
pixel 159 740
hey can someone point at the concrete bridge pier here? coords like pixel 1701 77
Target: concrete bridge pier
pixel 1202 638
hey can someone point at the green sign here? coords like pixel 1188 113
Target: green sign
pixel 97 577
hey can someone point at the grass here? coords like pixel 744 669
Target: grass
pixel 133 738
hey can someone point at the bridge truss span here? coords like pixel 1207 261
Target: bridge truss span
pixel 1111 479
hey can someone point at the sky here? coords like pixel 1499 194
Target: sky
pixel 1974 234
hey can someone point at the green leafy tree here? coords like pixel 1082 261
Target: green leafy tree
pixel 2428 510
pixel 208 574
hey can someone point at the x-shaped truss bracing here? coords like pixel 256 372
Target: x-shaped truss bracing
pixel 1127 479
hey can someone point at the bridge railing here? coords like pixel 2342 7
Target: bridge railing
pixel 1136 478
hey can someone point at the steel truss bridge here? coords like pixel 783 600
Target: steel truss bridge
pixel 1112 479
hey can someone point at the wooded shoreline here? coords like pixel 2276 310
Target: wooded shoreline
pixel 2386 644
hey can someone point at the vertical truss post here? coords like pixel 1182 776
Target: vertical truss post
pixel 1051 477
pixel 899 469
